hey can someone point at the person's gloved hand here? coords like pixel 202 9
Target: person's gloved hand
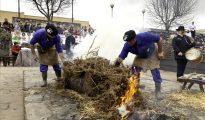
pixel 61 63
pixel 135 69
pixel 160 55
pixel 35 57
pixel 201 48
pixel 117 62
pixel 180 53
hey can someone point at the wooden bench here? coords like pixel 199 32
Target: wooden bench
pixel 191 82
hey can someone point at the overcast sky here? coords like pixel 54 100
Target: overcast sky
pixel 126 12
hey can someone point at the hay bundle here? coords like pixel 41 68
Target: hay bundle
pixel 103 83
pixel 192 99
pixel 99 80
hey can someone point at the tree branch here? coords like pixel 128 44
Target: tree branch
pixel 49 7
pixel 170 12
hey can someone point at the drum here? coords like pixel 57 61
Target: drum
pixel 194 55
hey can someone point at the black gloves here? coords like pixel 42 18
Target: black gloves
pixel 117 62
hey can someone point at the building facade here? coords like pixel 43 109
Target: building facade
pixel 10 15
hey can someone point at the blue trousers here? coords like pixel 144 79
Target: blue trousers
pixel 44 68
pixel 155 73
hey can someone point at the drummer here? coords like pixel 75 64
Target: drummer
pixel 48 45
pixel 181 43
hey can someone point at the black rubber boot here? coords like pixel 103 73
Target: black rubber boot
pixel 44 76
pixel 158 94
pixel 58 75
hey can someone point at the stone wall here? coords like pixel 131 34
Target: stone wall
pixel 169 64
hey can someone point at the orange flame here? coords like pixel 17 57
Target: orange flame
pixel 126 100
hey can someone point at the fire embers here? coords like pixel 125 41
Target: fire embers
pixel 127 104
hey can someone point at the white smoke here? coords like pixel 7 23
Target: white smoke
pixel 109 37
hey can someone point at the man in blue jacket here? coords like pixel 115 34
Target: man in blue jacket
pixel 148 54
pixel 48 48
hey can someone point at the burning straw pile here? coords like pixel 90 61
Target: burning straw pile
pixel 101 83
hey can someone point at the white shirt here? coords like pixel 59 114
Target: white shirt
pixel 17 27
pixel 192 27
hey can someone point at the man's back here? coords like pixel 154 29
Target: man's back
pixel 70 40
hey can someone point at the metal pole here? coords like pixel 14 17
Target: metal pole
pixel 112 13
pixel 143 12
pixel 72 11
pixel 143 21
pixel 19 15
pixel 112 6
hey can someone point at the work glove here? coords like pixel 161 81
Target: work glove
pixel 136 70
pixel 180 54
pixel 62 63
pixel 160 55
pixel 117 62
pixel 35 57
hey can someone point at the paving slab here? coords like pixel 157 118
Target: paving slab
pixel 11 93
pixel 21 96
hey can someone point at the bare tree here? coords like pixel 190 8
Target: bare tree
pixel 168 13
pixel 50 7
